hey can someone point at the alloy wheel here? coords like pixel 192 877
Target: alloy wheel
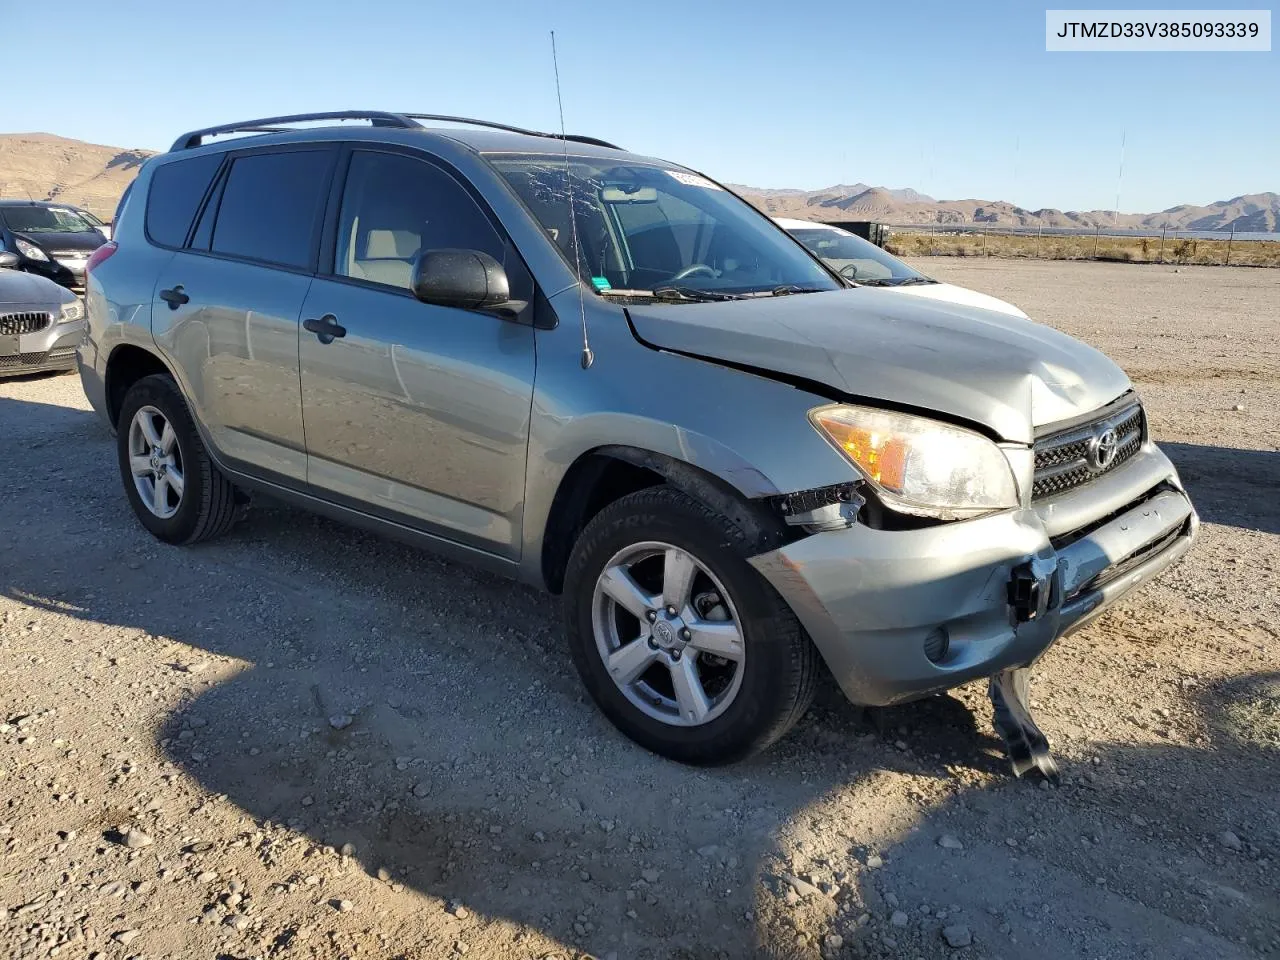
pixel 668 634
pixel 155 460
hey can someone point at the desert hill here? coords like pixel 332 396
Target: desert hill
pixel 41 166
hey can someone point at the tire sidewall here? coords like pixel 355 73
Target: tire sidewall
pixel 766 681
pixel 160 392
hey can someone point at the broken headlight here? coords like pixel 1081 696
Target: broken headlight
pixel 920 466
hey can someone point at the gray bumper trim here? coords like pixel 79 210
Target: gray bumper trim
pixel 1091 556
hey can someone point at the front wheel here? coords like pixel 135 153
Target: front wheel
pixel 682 644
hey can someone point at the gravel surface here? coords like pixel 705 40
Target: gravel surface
pixel 302 741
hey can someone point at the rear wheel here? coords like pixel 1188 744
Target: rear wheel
pixel 681 643
pixel 175 489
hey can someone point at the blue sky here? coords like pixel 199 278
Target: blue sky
pixel 955 99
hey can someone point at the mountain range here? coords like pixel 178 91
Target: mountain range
pixel 42 166
pixel 1258 212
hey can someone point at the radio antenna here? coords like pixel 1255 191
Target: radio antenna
pixel 588 357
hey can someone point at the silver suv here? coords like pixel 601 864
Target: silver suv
pixel 608 376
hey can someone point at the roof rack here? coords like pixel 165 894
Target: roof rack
pixel 572 137
pixel 378 118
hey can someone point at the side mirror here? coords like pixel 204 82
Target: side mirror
pixel 467 279
pixel 8 259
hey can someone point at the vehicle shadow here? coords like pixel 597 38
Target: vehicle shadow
pixel 429 716
pixel 1230 486
pixel 1143 851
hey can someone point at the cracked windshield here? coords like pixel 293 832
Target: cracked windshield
pixel 656 233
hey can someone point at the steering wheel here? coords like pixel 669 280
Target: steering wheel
pixel 849 271
pixel 693 270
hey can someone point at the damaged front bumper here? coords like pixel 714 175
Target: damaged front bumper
pixel 898 614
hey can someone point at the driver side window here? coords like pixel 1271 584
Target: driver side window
pixel 395 208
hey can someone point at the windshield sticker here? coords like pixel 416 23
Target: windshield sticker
pixel 601 283
pixel 693 180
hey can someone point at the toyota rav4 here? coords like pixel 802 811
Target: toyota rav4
pixel 609 377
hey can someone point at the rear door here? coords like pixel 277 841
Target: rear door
pixel 415 412
pixel 227 305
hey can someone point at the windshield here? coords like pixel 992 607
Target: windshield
pixel 651 231
pixel 853 257
pixel 44 220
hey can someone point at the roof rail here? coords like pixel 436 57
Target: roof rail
pixel 575 138
pixel 378 118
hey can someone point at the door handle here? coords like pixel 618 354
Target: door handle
pixel 175 297
pixel 326 328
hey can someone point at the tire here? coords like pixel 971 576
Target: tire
pixel 779 666
pixel 207 504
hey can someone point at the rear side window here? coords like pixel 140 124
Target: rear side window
pixel 271 206
pixel 176 191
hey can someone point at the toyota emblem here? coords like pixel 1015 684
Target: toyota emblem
pixel 1103 449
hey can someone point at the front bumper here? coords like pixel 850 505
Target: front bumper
pixel 1001 588
pixel 53 348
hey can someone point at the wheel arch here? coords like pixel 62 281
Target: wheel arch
pixel 126 365
pixel 607 473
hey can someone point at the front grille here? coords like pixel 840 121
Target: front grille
pixel 1069 459
pixel 59 356
pixel 21 360
pixel 20 323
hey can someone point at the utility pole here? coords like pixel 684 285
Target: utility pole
pixel 1163 231
pixel 1115 217
pixel 1229 239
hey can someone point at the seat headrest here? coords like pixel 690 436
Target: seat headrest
pixel 390 245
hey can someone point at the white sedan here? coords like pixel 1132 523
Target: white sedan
pixel 863 262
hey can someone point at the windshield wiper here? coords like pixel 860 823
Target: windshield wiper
pixel 692 294
pixel 786 289
pixel 911 281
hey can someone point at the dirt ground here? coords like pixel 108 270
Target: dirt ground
pixel 302 741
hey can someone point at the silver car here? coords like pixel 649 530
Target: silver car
pixel 40 322
pixel 606 375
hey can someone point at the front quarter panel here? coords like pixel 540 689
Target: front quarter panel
pixel 747 430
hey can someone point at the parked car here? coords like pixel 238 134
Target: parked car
pixel 50 239
pixel 864 263
pixel 736 469
pixel 96 221
pixel 40 322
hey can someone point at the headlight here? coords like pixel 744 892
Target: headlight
pixel 71 311
pixel 30 250
pixel 921 466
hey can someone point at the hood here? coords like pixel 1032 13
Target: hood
pixel 1006 373
pixel 961 295
pixel 27 289
pixel 65 242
